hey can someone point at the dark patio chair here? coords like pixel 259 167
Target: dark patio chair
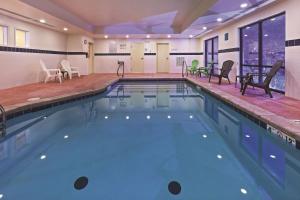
pixel 226 68
pixel 266 84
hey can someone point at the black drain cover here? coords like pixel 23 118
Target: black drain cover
pixel 81 183
pixel 174 187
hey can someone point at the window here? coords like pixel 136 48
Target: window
pixel 262 44
pixel 211 52
pixel 21 38
pixel 3 35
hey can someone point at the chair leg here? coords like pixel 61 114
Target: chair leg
pixel 220 79
pixel 244 89
pixel 46 79
pixel 228 80
pixel 269 92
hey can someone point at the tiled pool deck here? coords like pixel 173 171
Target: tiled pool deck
pixel 281 112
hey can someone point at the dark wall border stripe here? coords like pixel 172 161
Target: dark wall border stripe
pixel 112 54
pixel 237 49
pixel 186 54
pixel 41 51
pixel 150 54
pixel 292 43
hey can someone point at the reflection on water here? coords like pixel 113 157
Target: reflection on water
pixel 181 118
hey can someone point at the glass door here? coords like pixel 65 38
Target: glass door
pixel 211 52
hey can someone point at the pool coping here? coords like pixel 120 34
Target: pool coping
pixel 278 125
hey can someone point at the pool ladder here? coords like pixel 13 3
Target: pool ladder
pixel 121 66
pixel 184 68
pixel 2 121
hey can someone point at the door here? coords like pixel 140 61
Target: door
pixel 91 58
pixel 163 58
pixel 137 58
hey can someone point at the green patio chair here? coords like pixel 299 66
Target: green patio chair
pixel 205 70
pixel 194 68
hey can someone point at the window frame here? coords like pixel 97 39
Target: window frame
pixel 27 38
pixel 5 35
pixel 260 65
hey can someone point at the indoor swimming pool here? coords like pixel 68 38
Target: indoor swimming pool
pixel 146 141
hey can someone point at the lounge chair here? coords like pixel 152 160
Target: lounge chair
pixel 66 66
pixel 266 84
pixel 194 68
pixel 225 70
pixel 50 73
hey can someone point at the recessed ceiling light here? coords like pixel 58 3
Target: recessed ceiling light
pixel 247 136
pixel 266 35
pixel 66 136
pixel 273 156
pixel 191 116
pixel 219 156
pixel 273 19
pixel 1 196
pixel 43 21
pixel 66 29
pixel 243 191
pixel 127 117
pixel 148 117
pixel 106 117
pixel 246 35
pixel 43 157
pixel 204 28
pixel 105 36
pixel 191 36
pixel 169 36
pixel 248 27
pixel 148 36
pixel 169 116
pixel 220 19
pixel 127 36
pixel 244 5
pixel 204 136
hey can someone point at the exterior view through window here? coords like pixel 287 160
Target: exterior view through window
pixel 262 44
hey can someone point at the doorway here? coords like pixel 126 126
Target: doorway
pixel 163 58
pixel 137 57
pixel 91 58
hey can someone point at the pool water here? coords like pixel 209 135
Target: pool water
pixel 145 141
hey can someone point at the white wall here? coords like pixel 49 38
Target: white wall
pixel 291 7
pixel 23 68
pixel 79 43
pixel 108 64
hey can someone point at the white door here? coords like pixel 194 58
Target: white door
pixel 137 57
pixel 163 58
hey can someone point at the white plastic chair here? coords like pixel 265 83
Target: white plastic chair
pixel 50 73
pixel 66 66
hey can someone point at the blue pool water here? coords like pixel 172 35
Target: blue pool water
pixel 135 139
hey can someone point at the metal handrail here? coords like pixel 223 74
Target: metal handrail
pixel 184 65
pixel 2 122
pixel 121 65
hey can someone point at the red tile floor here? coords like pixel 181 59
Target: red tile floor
pixel 280 110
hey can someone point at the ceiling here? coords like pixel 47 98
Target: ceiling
pixel 180 18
